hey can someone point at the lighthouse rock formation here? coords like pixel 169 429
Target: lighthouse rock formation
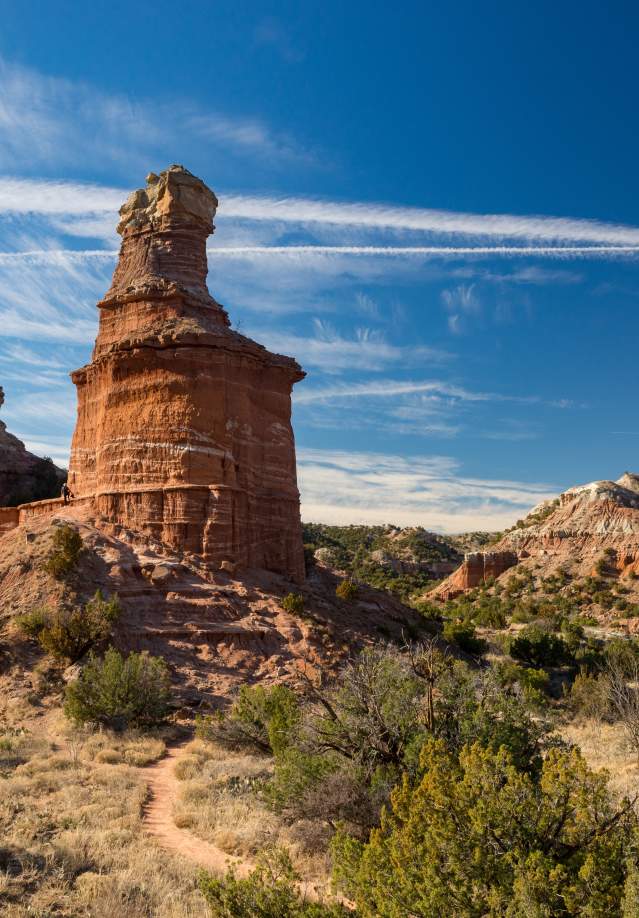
pixel 184 425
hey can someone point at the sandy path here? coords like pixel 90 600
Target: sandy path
pixel 157 818
pixel 164 788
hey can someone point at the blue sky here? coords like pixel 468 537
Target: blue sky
pixel 432 206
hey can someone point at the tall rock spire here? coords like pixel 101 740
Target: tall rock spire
pixel 184 425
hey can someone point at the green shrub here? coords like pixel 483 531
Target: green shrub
pixel 538 648
pixel 31 624
pixel 475 836
pixel 65 552
pixel 533 683
pixel 120 691
pixel 346 590
pixel 67 634
pixel 463 635
pixel 269 891
pixel 622 654
pixel 573 633
pixel 260 718
pixel 293 603
pixel 589 696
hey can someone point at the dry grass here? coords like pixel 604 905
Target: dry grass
pixel 220 801
pixel 72 837
pixel 605 746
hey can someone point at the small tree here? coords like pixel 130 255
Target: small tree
pixel 260 718
pixel 621 680
pixel 476 836
pixel 346 590
pixel 538 648
pixel 120 691
pixel 65 552
pixel 269 891
pixel 464 636
pixel 67 634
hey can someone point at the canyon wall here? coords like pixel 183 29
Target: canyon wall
pixel 184 425
pixel 24 476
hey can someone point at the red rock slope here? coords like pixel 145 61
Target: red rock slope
pixel 216 631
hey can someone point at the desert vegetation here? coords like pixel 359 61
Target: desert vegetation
pixel 382 766
pixel 339 791
pixel 383 556
pixel 345 793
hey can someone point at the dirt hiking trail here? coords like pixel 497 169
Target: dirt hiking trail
pixel 164 789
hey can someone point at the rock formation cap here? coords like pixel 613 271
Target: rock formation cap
pixel 174 194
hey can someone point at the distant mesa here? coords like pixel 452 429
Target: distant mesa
pixel 572 530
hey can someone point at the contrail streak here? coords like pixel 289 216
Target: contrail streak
pixel 60 256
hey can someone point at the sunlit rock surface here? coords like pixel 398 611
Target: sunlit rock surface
pixel 184 425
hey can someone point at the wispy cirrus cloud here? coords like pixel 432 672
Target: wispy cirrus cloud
pixel 438 222
pixel 53 298
pixel 57 122
pixel 342 487
pixel 423 409
pixel 331 351
pixel 460 302
pixel 426 252
pixel 438 390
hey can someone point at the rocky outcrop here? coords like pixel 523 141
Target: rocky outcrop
pixel 590 519
pixel 477 568
pixel 184 425
pixel 23 476
pixel 572 532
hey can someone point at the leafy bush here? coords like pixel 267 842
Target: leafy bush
pixel 475 836
pixel 474 708
pixel 359 734
pixel 464 636
pixel 346 590
pixel 602 567
pixel 293 603
pixel 538 648
pixel 354 736
pixel 589 696
pixel 533 683
pixel 269 891
pixel 622 654
pixel 32 623
pixel 120 691
pixel 65 552
pixel 67 634
pixel 260 718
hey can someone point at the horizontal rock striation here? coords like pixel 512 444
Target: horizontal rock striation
pixel 184 425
